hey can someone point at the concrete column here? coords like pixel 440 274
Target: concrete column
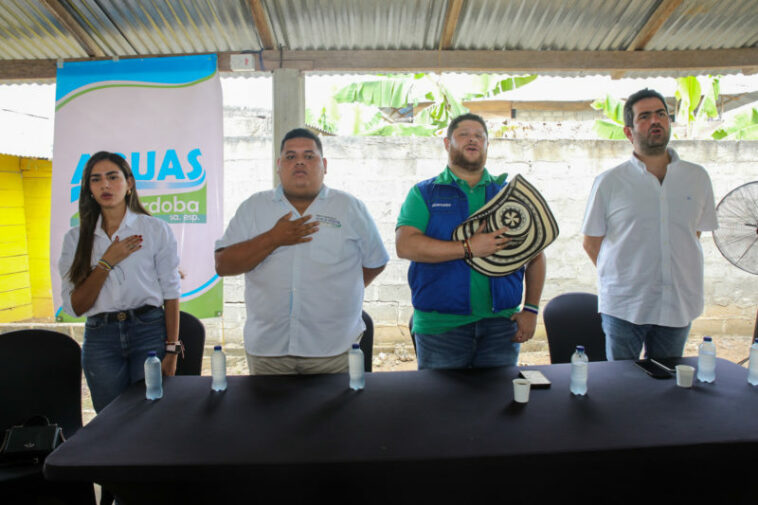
pixel 289 106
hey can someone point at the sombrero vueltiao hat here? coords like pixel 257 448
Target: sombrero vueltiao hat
pixel 531 227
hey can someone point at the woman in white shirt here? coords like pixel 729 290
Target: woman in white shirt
pixel 120 268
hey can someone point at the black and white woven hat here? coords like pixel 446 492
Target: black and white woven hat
pixel 531 227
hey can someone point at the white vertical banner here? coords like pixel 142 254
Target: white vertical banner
pixel 165 116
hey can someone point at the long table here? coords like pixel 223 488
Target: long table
pixel 420 437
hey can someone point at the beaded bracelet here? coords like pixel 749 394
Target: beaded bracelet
pixel 466 250
pixel 534 309
pixel 105 265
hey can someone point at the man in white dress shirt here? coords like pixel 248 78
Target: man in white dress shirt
pixel 307 252
pixel 642 229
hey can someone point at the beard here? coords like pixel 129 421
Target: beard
pixel 652 145
pixel 458 158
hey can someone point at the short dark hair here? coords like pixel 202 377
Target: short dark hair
pixel 636 97
pixel 465 117
pixel 305 133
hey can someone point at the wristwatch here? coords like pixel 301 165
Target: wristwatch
pixel 175 347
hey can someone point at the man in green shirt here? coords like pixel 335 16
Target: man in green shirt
pixel 463 318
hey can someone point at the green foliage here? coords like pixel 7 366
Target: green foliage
pixel 744 126
pixel 696 102
pixel 609 130
pixel 392 92
pixel 489 85
pixel 401 91
pixel 613 127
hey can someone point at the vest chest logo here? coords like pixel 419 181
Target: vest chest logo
pixel 448 204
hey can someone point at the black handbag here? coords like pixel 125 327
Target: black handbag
pixel 31 441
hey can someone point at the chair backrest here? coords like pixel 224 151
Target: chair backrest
pixel 572 319
pixel 367 342
pixel 41 374
pixel 192 333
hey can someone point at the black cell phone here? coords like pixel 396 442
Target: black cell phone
pixel 655 368
pixel 535 378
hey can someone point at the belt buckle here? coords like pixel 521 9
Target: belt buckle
pixel 121 316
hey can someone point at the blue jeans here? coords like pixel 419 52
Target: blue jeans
pixel 485 343
pixel 624 340
pixel 114 352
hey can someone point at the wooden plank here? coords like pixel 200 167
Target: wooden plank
pixel 15 298
pixel 15 281
pixel 13 247
pixel 16 314
pixel 11 181
pixel 654 23
pixel 12 216
pixel 88 44
pixel 42 307
pixel 9 163
pixel 14 264
pixel 262 24
pixel 35 167
pixel 606 62
pixel 452 14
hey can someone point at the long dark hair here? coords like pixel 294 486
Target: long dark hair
pixel 89 212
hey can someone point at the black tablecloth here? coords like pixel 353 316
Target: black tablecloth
pixel 445 435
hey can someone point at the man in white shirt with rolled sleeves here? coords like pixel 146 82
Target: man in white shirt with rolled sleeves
pixel 642 229
pixel 307 252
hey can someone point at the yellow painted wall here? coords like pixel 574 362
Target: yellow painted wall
pixel 25 290
pixel 37 177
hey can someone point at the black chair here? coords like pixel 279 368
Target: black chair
pixel 572 319
pixel 367 342
pixel 41 374
pixel 192 334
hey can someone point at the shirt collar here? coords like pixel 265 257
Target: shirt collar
pixel 636 162
pixel 127 222
pixel 449 177
pixel 279 193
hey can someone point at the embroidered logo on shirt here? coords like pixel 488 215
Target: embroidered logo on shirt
pixel 328 221
pixel 442 205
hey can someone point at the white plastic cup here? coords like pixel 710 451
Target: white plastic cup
pixel 684 375
pixel 521 389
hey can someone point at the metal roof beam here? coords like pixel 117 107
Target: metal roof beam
pixel 601 62
pixel 69 23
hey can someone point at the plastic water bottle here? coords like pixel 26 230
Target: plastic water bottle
pixel 706 361
pixel 752 374
pixel 356 367
pixel 153 377
pixel 218 369
pixel 579 367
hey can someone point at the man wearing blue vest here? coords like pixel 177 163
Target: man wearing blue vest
pixel 462 318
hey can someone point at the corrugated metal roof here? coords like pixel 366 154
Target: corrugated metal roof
pixel 577 25
pixel 709 24
pixel 136 27
pixel 350 24
pixel 29 31
pixel 75 29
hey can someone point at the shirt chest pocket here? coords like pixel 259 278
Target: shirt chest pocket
pixel 328 245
